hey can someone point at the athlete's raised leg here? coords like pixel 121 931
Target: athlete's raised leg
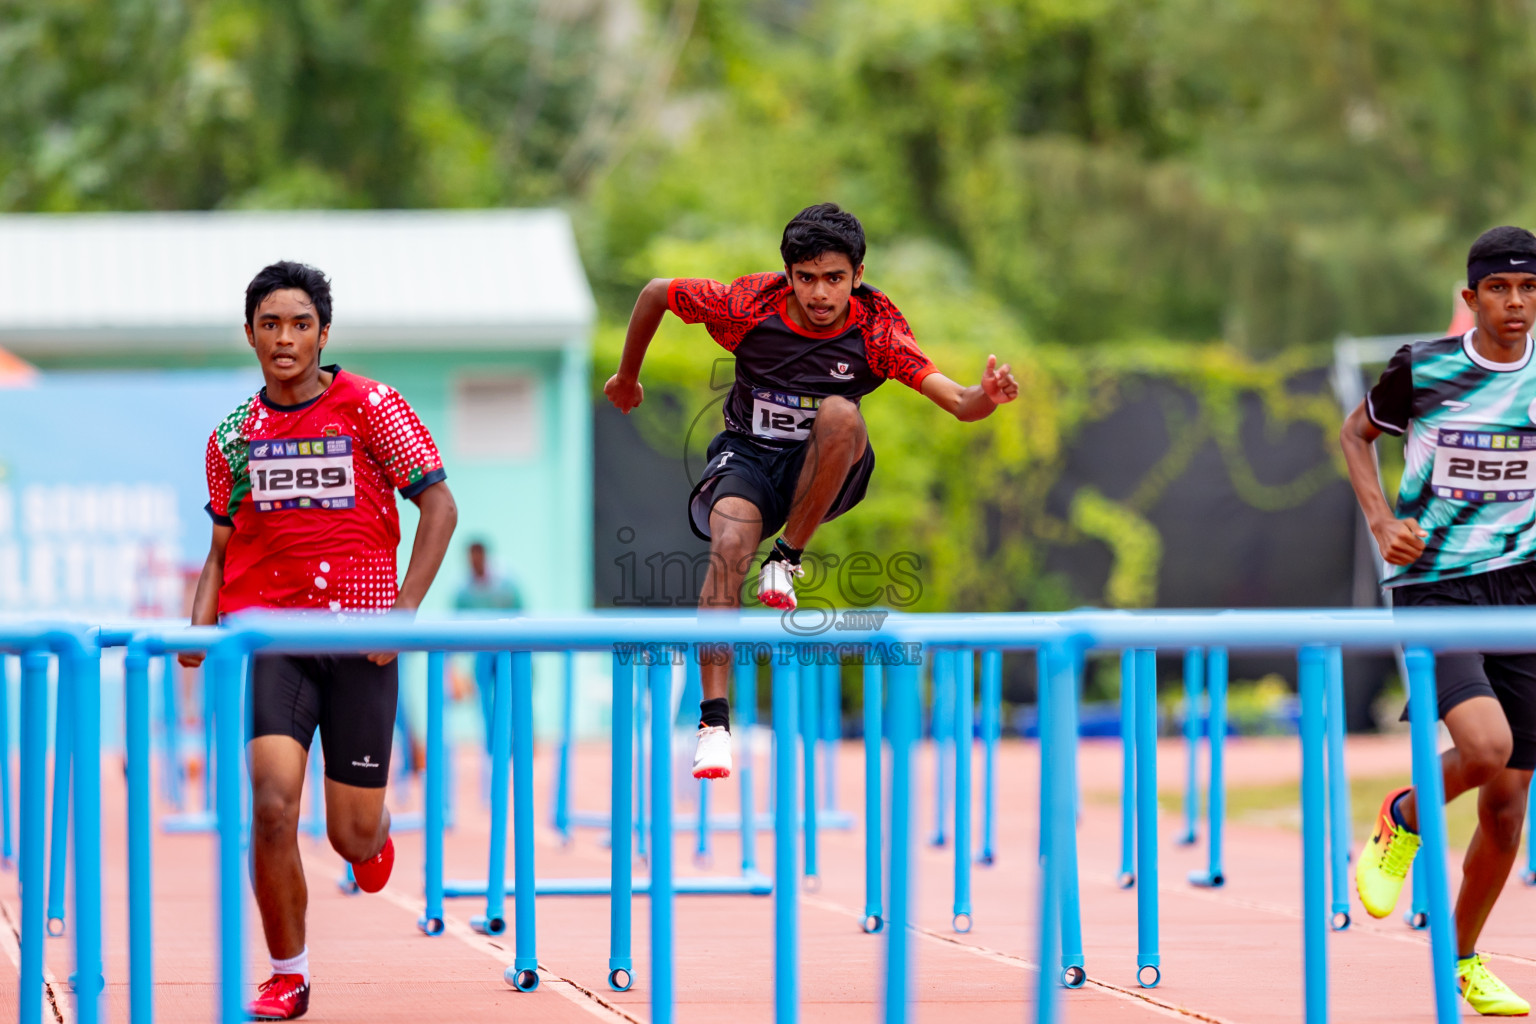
pixel 735 530
pixel 357 824
pixel 356 820
pixel 1483 743
pixel 838 439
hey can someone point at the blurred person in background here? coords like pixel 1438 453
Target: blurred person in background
pixel 485 591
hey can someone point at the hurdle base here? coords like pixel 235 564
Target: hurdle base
pixel 523 979
pixel 1204 879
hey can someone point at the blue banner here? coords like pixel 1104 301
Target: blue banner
pixel 102 488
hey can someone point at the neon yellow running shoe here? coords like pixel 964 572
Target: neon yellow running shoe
pixel 1384 861
pixel 1485 993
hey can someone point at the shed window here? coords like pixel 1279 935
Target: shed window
pixel 495 416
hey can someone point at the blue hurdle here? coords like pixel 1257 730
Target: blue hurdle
pixel 1127 876
pixel 1213 877
pixel 1059 641
pixel 7 852
pixel 991 736
pixel 58 846
pixel 749 882
pixel 942 729
pixel 433 786
pixel 1529 876
pixel 1194 690
pixel 965 738
pixel 79 674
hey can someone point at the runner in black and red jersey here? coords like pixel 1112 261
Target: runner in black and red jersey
pixel 810 342
pixel 301 480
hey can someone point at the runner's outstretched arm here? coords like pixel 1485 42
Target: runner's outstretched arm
pixel 968 404
pixel 205 601
pixel 623 388
pixel 1401 540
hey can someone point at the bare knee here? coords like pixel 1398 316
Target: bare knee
pixel 1485 758
pixel 274 816
pixel 733 542
pixel 838 420
pixel 353 840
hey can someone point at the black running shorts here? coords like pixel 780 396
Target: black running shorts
pixel 1508 678
pixel 738 466
pixel 349 698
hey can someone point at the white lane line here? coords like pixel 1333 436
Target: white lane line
pixel 552 981
pixel 10 942
pixel 998 956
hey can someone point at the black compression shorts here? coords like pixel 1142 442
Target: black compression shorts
pixel 1460 676
pixel 349 698
pixel 739 466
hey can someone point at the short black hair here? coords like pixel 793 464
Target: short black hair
pixel 288 274
pixel 1502 241
pixel 825 227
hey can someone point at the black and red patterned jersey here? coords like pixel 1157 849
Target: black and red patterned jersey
pixel 309 490
pixel 783 371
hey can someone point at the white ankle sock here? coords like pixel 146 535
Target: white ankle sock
pixel 294 965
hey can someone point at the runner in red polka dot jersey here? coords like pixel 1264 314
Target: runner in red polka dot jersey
pixel 301 481
pixel 277 558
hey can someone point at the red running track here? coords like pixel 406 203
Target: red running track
pixel 1229 955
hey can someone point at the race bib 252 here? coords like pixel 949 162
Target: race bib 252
pixel 302 473
pixel 1473 465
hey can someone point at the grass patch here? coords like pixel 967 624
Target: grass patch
pixel 1279 804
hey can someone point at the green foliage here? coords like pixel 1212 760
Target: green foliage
pixel 1136 546
pixel 143 104
pixel 1093 190
pixel 976 504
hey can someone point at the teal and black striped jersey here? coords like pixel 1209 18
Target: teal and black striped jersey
pixel 1470 455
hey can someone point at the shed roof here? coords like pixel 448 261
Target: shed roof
pixel 400 279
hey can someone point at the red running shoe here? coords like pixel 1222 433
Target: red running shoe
pixel 281 997
pixel 372 873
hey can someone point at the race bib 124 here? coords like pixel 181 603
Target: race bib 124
pixel 1480 466
pixel 789 417
pixel 308 473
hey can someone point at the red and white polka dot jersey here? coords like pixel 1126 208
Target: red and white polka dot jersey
pixel 309 490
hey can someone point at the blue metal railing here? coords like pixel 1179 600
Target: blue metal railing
pixel 1060 641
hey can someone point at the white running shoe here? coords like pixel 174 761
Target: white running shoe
pixel 776 584
pixel 712 757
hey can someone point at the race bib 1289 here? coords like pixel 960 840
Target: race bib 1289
pixel 789 417
pixel 1480 466
pixel 308 473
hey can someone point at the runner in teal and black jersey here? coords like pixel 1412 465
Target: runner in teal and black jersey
pixel 1462 535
